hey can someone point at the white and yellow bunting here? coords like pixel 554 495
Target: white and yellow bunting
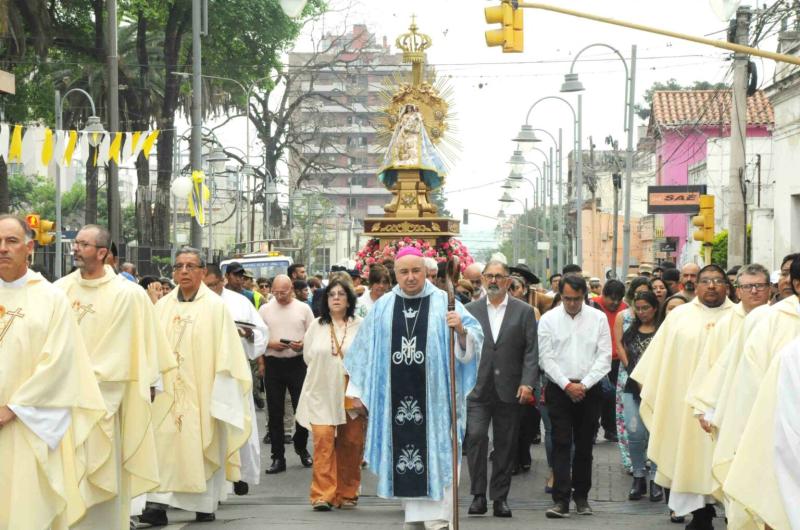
pixel 200 193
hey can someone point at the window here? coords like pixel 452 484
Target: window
pixel 359 180
pixel 353 203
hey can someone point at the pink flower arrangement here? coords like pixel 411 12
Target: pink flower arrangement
pixel 372 252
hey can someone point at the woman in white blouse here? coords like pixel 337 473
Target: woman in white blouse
pixel 338 432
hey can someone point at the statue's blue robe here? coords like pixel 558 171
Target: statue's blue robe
pixel 368 363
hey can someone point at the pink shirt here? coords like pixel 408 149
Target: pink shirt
pixel 288 321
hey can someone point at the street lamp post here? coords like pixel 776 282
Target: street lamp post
pixel 526 137
pixel 573 84
pixel 94 129
pixel 196 236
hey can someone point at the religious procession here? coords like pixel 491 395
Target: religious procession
pixel 299 279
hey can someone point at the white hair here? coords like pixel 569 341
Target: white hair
pixel 431 264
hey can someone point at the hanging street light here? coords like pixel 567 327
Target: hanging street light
pixel 526 137
pixel 293 8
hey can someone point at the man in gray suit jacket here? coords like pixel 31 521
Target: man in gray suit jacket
pixel 507 375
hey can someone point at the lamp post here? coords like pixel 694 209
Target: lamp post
pixel 526 137
pixel 573 84
pixel 94 129
pixel 216 161
pixel 554 238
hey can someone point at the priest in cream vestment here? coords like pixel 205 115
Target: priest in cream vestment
pixel 764 477
pixel 117 323
pixel 49 399
pixel 678 445
pixel 198 436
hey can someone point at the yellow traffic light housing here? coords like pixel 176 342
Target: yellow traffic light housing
pixel 45 234
pixel 510 34
pixel 705 221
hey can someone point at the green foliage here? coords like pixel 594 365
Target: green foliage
pixel 719 249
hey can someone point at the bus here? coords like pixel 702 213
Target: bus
pixel 262 264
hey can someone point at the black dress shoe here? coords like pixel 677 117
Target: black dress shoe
pixel 656 492
pixel 638 489
pixel 305 459
pixel 478 506
pixel 258 401
pixel 241 487
pixel 537 439
pixel 266 439
pixel 582 507
pixel 201 517
pixel 278 466
pixel 154 517
pixel 501 509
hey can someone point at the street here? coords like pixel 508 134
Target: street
pixel 283 500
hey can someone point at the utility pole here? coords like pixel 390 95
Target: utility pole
pixel 114 213
pixel 195 230
pixel 737 231
pixel 626 223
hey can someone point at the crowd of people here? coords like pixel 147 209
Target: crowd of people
pixel 121 396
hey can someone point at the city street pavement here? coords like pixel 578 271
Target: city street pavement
pixel 282 501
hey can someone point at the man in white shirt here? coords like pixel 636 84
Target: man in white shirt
pixel 575 354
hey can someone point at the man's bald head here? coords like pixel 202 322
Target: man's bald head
pixel 473 272
pixel 689 273
pixel 282 289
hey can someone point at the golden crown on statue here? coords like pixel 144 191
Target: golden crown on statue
pixel 413 44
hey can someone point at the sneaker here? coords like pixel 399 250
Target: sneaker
pixel 559 510
pixel 348 504
pixel 582 507
pixel 321 506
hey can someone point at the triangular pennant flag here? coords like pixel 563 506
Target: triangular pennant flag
pixel 82 149
pixel 115 148
pixel 101 158
pixel 15 149
pixel 69 149
pixel 147 146
pixel 196 209
pixel 32 141
pixel 4 137
pixel 47 148
pixel 60 143
pixel 126 149
pixel 137 141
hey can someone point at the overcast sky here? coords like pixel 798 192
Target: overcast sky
pixel 493 91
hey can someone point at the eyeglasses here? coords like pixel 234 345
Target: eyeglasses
pixel 713 281
pixel 84 244
pixel 337 294
pixel 759 287
pixel 494 277
pixel 190 267
pixel 642 309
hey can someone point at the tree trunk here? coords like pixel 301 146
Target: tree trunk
pixel 5 195
pixel 177 24
pixel 144 213
pixel 91 188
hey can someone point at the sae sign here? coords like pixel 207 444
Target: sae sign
pixel 674 199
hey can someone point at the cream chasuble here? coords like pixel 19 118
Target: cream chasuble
pixel 198 437
pixel 774 331
pixel 677 443
pixel 764 477
pixel 119 329
pixel 46 379
pixel 723 334
pixel 716 385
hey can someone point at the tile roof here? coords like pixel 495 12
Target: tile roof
pixel 673 108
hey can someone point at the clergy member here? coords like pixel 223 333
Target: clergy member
pixel 119 329
pixel 399 368
pixel 198 437
pixel 774 331
pixel 254 335
pixel 49 399
pixel 764 476
pixel 677 443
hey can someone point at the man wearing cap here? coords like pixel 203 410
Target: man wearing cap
pixel 249 285
pixel 235 279
pixel 399 374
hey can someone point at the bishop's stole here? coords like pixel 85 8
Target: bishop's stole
pixel 399 361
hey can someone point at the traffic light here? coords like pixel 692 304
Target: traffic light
pixel 45 234
pixel 705 221
pixel 33 224
pixel 465 220
pixel 510 34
